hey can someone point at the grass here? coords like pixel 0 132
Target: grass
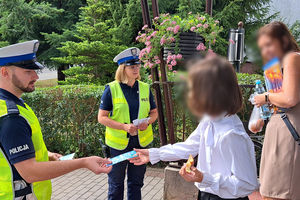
pixel 46 83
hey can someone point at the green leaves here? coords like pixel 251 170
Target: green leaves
pixel 68 117
pixel 249 79
pixel 253 14
pixel 95 55
pixel 95 48
pixel 190 6
pixel 295 29
pixel 24 21
pixel 166 31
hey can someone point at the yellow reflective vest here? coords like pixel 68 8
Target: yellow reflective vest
pixel 42 189
pixel 118 139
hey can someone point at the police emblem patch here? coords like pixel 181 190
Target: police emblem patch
pixel 134 52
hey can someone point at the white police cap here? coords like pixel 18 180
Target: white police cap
pixel 21 55
pixel 129 56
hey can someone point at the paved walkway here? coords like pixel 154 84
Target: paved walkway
pixel 83 184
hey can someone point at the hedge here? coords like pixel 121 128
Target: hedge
pixel 68 116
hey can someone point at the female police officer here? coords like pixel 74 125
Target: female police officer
pixel 124 100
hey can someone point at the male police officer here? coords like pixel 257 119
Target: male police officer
pixel 25 170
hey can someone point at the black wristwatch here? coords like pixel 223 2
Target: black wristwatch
pixel 267 98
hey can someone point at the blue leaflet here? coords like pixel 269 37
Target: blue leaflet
pixel 271 63
pixel 67 157
pixel 122 157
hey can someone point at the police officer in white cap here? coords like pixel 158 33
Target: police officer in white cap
pixel 123 101
pixel 25 169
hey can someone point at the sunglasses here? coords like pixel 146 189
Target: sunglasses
pixel 133 67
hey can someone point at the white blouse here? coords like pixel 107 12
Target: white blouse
pixel 226 156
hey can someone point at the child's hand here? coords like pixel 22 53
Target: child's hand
pixel 142 158
pixel 194 176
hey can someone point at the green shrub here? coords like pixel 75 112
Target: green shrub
pixel 68 116
pixel 249 79
pixel 78 75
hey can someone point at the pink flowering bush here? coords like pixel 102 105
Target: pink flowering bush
pixel 165 32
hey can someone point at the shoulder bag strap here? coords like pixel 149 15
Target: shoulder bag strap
pixel 291 128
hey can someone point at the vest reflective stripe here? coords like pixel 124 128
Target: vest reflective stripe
pixel 42 189
pixel 6 181
pixel 146 136
pixel 118 139
pixel 3 108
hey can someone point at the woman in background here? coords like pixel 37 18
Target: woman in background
pixel 124 100
pixel 280 162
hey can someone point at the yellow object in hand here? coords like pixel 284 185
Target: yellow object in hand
pixel 189 163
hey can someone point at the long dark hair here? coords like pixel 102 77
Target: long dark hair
pixel 278 30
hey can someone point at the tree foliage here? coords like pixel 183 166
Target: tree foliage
pixel 103 27
pixel 253 14
pixel 295 29
pixel 190 6
pixel 22 20
pixel 70 8
pixel 96 47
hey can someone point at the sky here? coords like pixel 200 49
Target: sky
pixel 289 10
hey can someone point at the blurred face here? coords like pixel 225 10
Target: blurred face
pixel 23 79
pixel 190 95
pixel 132 71
pixel 269 47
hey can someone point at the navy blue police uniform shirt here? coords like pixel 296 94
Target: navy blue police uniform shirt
pixel 15 135
pixel 132 97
